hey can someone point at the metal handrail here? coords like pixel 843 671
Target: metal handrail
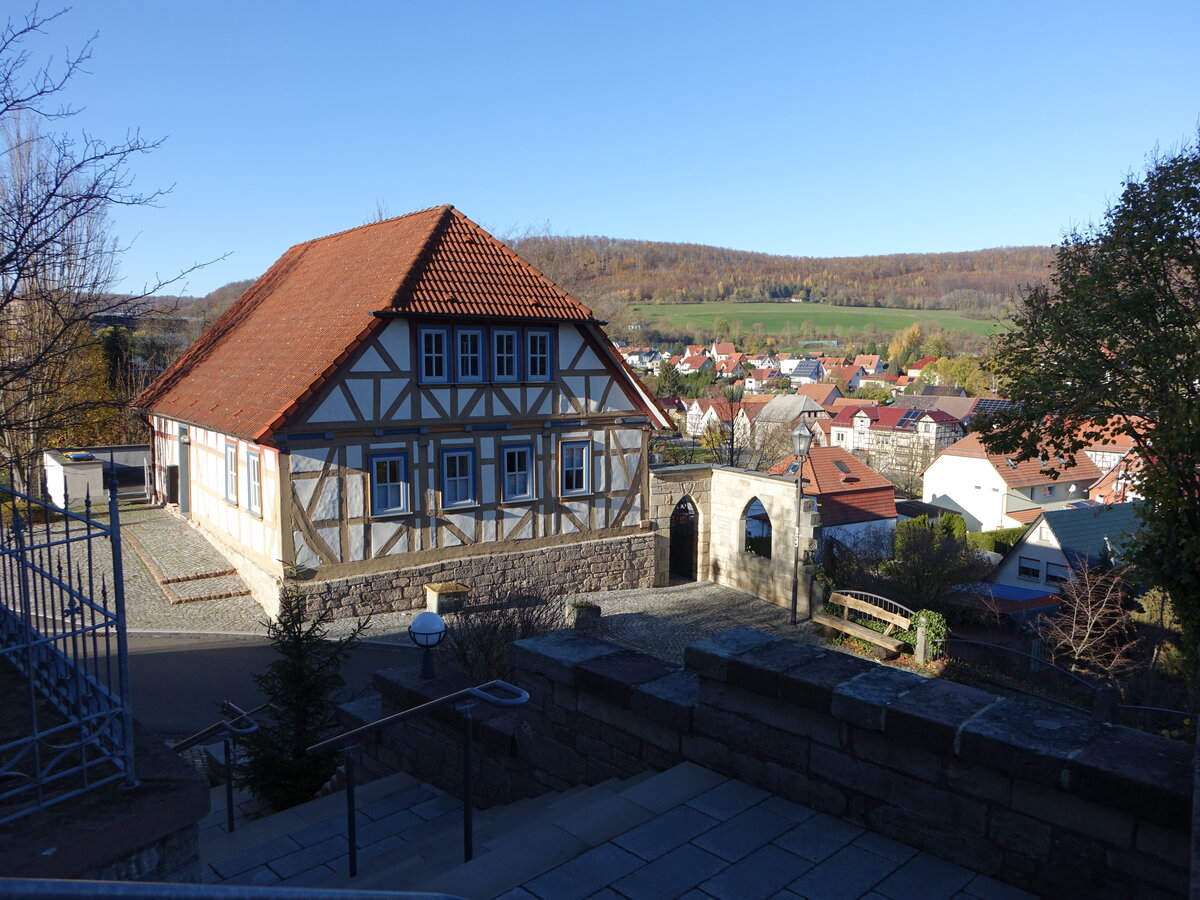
pixel 463 701
pixel 228 731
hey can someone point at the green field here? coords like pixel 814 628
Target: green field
pixel 840 320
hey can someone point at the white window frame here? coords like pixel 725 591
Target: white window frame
pixel 546 371
pixel 428 355
pixel 502 362
pixel 231 473
pixel 385 490
pixel 578 469
pixel 471 492
pixel 254 483
pixel 461 356
pixel 516 452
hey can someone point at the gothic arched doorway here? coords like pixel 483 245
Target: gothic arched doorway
pixel 684 540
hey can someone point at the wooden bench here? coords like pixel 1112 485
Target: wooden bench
pixel 869 606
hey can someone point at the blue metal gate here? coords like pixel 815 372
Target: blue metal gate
pixel 67 726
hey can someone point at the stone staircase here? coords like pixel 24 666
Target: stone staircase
pixel 659 835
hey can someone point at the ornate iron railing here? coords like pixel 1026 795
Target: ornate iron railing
pixel 68 727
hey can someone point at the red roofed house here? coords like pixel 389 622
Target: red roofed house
pixel 870 362
pixel 722 351
pixel 851 498
pixel 992 491
pixel 851 375
pixel 690 364
pixel 403 403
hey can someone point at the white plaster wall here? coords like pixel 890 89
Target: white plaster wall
pixel 970 487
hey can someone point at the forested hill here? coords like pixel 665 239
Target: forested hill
pixel 601 268
pixel 610 274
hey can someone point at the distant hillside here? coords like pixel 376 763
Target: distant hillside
pixel 608 269
pixel 611 275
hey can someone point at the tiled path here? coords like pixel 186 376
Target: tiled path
pixel 737 842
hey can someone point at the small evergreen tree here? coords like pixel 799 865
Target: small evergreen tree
pixel 300 685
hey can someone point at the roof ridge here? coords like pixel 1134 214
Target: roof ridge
pixel 421 260
pixel 532 269
pixel 365 225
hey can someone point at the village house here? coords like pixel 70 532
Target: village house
pixel 805 371
pixel 870 362
pixel 851 376
pixel 853 501
pixel 894 439
pixel 689 365
pixel 1060 542
pixel 758 379
pixel 404 403
pixel 992 491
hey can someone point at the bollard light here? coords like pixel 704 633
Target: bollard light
pixel 426 631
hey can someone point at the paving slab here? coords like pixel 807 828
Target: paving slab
pixel 585 875
pixel 665 832
pixel 847 875
pixel 760 875
pixel 927 876
pixel 670 875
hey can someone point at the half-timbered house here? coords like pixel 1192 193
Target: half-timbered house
pixel 404 403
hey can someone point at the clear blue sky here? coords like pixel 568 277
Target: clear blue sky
pixel 814 129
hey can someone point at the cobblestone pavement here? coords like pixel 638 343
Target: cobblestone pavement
pixel 661 621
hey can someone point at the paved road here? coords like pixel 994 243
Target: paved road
pixel 178 680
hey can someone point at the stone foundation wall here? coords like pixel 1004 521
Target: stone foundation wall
pixel 1040 797
pixel 599 565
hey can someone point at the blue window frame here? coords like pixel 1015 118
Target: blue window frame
pixel 231 485
pixel 433 353
pixel 468 354
pixel 516 470
pixel 505 344
pixel 458 478
pixel 537 356
pixel 253 483
pixel 390 485
pixel 573 467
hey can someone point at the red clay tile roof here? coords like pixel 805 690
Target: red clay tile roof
pixel 303 318
pixel 821 394
pixel 846 488
pixel 1022 474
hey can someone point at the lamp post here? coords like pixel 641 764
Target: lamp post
pixel 426 631
pixel 801 441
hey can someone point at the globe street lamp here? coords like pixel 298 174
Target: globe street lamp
pixel 801 441
pixel 426 631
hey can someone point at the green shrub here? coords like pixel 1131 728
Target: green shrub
pixel 999 541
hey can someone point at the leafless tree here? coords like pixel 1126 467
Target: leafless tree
pixel 58 258
pixel 1093 629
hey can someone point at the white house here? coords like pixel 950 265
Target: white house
pixel 403 403
pixel 991 491
pixel 1061 541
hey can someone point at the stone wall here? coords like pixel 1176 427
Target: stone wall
pixel 669 485
pixel 721 495
pixel 598 565
pixel 1040 797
